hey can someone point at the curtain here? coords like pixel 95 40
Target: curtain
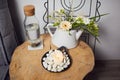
pixel 8 41
pixel 7 29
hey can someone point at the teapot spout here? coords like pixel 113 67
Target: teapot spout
pixel 78 34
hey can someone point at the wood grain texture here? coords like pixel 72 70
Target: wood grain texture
pixel 26 65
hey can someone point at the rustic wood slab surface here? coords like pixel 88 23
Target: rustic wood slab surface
pixel 26 64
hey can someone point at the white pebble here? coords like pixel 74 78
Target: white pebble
pixel 60 69
pixel 53 69
pixel 47 54
pixel 54 65
pixel 50 63
pixel 50 51
pixel 68 62
pixel 64 61
pixel 64 53
pixel 49 67
pixel 61 64
pixel 45 65
pixel 50 58
pixel 65 66
pixel 47 60
pixel 67 57
pixel 44 58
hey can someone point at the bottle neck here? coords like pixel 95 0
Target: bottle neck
pixel 30 16
pixel 30 20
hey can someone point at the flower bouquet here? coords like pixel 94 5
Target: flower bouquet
pixel 66 21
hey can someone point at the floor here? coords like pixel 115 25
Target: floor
pixel 103 70
pixel 4 74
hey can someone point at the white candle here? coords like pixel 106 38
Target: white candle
pixel 57 57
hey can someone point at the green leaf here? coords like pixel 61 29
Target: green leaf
pixel 56 24
pixel 98 16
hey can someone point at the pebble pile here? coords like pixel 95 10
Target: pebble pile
pixel 56 61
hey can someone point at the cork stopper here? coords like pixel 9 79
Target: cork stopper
pixel 29 10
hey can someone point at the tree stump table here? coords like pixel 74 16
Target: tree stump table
pixel 26 64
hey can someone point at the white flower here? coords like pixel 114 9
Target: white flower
pixel 65 25
pixel 86 20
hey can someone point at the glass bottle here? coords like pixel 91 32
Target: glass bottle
pixel 31 25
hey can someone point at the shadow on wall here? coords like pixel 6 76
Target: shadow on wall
pixel 99 54
pixel 16 20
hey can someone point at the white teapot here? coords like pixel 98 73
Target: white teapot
pixel 64 38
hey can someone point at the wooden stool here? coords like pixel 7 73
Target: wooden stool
pixel 26 64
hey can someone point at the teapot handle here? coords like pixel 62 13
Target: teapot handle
pixel 48 28
pixel 78 34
